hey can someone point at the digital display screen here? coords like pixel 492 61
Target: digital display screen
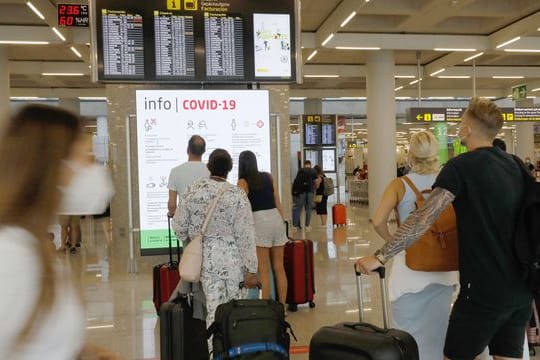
pixel 72 15
pixel 311 134
pixel 328 134
pixel 329 160
pixel 239 41
pixel 234 120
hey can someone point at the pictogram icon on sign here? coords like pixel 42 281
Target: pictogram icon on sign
pixel 260 124
pixel 174 4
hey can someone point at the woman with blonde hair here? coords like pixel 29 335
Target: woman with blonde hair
pixel 42 316
pixel 420 300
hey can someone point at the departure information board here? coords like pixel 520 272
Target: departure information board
pixel 224 46
pixel 239 41
pixel 174 46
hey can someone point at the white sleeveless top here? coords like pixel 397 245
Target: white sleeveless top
pixel 402 279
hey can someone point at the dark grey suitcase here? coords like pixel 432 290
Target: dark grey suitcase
pixel 363 341
pixel 181 336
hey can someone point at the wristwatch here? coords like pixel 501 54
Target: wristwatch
pixel 378 254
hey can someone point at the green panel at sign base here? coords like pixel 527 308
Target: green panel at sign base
pixel 441 133
pixel 156 239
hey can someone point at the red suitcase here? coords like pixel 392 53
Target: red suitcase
pixel 166 276
pixel 339 215
pixel 300 275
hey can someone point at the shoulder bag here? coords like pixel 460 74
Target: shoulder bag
pixel 191 262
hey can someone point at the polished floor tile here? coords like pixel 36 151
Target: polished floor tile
pixel 120 312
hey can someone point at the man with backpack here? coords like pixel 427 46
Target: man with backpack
pixel 487 188
pixel 303 194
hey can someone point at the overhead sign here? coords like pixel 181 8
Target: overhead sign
pixel 430 115
pixel 519 92
pixel 319 130
pixel 166 120
pixel 72 15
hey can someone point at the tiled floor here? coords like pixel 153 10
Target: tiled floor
pixel 120 312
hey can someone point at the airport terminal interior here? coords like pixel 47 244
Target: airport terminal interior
pixel 342 83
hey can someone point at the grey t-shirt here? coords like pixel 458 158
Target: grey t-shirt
pixel 185 175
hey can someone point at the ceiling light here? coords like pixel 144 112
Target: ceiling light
pixel 454 77
pixel 473 57
pixel 321 76
pixel 59 34
pixel 523 50
pixel 357 48
pixel 403 98
pixel 349 18
pixel 297 98
pixel 327 39
pixel 441 98
pixel 312 55
pixel 453 49
pixel 535 90
pixel 35 10
pixel 62 74
pixel 508 42
pixel 507 77
pixel 76 52
pixel 92 98
pixel 405 76
pixel 19 42
pixel 398 88
pixel 437 72
pixel 531 97
pixel 415 81
pixel 353 98
pixel 100 327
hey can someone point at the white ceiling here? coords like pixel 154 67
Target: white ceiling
pixel 410 27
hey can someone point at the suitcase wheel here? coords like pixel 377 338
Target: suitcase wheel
pixel 293 307
pixel 311 304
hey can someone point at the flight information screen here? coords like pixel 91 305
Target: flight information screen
pixel 241 41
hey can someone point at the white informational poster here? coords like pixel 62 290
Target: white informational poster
pixel 272 39
pixel 329 160
pixel 166 119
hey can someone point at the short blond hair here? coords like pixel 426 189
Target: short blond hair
pixel 487 115
pixel 424 153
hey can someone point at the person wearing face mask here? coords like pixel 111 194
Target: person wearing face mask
pixel 486 188
pixel 42 316
pixel 420 300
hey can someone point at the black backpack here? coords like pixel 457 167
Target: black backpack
pixel 250 329
pixel 527 232
pixel 302 183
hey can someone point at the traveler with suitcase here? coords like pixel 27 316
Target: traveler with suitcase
pixel 487 189
pixel 359 341
pixel 420 298
pixel 270 236
pixel 229 255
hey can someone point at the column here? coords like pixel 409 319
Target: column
pixel 313 106
pixel 381 115
pixel 509 140
pixel 4 82
pixel 525 134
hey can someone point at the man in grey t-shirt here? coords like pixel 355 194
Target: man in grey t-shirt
pixel 185 175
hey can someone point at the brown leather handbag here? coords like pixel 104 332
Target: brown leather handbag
pixel 437 249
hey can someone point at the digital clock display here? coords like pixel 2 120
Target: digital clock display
pixel 72 15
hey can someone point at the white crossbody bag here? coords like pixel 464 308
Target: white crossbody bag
pixel 191 262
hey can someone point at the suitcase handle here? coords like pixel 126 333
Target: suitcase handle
pixel 384 297
pixel 366 325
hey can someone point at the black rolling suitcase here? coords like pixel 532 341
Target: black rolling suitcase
pixel 181 336
pixel 363 341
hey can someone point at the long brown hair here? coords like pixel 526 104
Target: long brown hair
pixel 32 147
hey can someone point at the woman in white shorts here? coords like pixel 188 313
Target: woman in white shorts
pixel 269 226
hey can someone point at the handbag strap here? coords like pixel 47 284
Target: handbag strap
pixel 211 210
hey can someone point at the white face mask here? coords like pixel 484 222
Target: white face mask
pixel 89 191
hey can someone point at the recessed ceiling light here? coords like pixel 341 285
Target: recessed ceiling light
pixel 321 76
pixel 23 42
pixel 297 98
pixel 62 74
pixel 473 57
pixel 398 88
pixel 76 52
pixel 507 77
pixel 59 34
pixel 415 81
pixel 327 40
pixel 535 90
pixel 312 55
pixel 349 18
pixel 405 76
pixel 437 72
pixel 522 50
pixel 508 42
pixel 357 48
pixel 92 98
pixel 453 49
pixel 35 10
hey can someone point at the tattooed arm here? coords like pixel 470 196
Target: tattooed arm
pixel 411 230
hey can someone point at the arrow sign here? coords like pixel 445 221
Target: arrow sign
pixel 419 117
